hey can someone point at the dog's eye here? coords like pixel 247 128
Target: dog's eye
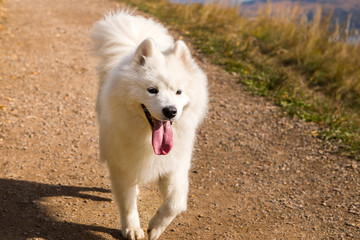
pixel 152 90
pixel 179 92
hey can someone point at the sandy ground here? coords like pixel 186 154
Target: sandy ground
pixel 255 175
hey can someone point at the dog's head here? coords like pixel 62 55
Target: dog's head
pixel 163 92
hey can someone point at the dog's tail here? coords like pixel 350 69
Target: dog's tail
pixel 118 34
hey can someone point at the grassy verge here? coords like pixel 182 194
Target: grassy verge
pixel 307 68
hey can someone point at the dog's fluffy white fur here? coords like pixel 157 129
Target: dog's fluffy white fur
pixel 143 71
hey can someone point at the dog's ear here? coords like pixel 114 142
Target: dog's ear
pixel 183 53
pixel 145 50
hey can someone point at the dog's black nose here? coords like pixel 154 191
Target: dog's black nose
pixel 169 112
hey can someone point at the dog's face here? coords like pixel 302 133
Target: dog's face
pixel 162 80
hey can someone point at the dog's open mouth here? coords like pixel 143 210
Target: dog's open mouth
pixel 162 133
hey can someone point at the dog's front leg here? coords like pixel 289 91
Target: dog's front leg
pixel 126 196
pixel 174 189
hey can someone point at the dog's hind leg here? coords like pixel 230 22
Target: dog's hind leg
pixel 126 196
pixel 174 189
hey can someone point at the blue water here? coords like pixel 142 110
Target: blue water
pixel 205 1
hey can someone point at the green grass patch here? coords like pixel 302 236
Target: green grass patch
pixel 307 68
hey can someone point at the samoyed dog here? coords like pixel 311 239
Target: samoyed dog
pixel 152 96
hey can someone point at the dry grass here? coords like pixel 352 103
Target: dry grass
pixel 307 67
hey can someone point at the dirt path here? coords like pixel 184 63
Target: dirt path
pixel 254 175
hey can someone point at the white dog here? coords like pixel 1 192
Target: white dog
pixel 151 99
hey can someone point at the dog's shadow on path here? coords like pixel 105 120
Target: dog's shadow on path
pixel 22 218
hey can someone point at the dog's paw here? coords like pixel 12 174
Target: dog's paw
pixel 155 233
pixel 133 233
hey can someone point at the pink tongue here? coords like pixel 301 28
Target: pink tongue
pixel 162 137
